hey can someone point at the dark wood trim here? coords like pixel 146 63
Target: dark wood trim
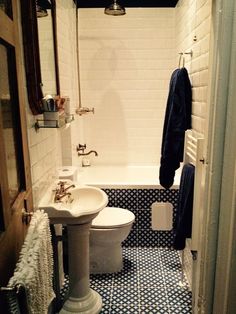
pixel 32 54
pixel 126 3
pixel 54 29
pixel 12 228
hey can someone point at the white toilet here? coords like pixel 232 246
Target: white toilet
pixel 109 229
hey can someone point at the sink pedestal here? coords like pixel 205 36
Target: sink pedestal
pixel 77 212
pixel 81 298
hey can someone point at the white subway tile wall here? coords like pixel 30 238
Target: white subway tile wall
pixel 66 32
pixel 46 153
pixel 45 157
pixel 125 67
pixel 193 20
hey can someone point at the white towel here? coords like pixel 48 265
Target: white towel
pixel 34 269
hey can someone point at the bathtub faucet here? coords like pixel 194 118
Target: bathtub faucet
pixel 81 148
pixel 86 154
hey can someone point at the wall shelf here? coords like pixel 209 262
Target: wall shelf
pixel 53 123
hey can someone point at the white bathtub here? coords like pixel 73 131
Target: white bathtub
pixel 146 177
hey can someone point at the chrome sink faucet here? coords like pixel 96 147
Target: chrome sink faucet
pixel 81 148
pixel 61 191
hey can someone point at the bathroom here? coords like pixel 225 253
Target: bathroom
pixel 125 64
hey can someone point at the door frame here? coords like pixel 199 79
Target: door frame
pixel 14 228
pixel 217 276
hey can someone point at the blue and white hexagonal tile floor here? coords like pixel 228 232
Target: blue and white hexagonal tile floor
pixel 150 282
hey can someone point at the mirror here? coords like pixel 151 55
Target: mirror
pixel 46 50
pixel 40 51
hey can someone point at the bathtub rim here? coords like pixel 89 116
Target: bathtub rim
pixel 109 184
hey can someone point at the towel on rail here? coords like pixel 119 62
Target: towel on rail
pixel 177 121
pixel 34 269
pixel 183 223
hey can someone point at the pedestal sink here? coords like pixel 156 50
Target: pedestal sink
pixel 77 210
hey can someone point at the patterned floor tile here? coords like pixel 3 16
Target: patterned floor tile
pixel 148 283
pixel 180 310
pixel 125 294
pixel 151 279
pixel 101 279
pixel 130 253
pixel 149 264
pixel 105 309
pixel 104 291
pixel 148 253
pixel 179 296
pixel 65 289
pixel 129 265
pixel 171 265
pixel 128 278
pixel 169 254
pixel 124 309
pixel 153 296
pixel 174 279
pixel 153 309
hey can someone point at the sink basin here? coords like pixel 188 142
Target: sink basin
pixel 80 207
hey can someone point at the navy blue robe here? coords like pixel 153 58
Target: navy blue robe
pixel 177 121
pixel 183 222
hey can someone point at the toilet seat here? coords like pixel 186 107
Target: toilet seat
pixel 113 217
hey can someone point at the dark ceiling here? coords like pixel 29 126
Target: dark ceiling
pixel 127 3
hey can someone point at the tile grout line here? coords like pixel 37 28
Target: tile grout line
pixel 138 286
pixel 111 293
pixel 164 281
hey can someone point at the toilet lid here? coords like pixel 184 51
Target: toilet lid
pixel 111 217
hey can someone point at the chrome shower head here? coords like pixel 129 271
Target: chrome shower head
pixel 115 9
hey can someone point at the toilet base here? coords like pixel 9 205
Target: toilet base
pixel 109 229
pixel 106 259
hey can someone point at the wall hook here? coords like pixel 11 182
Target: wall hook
pixel 189 53
pixel 180 58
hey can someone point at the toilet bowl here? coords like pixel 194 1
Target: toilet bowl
pixel 109 229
